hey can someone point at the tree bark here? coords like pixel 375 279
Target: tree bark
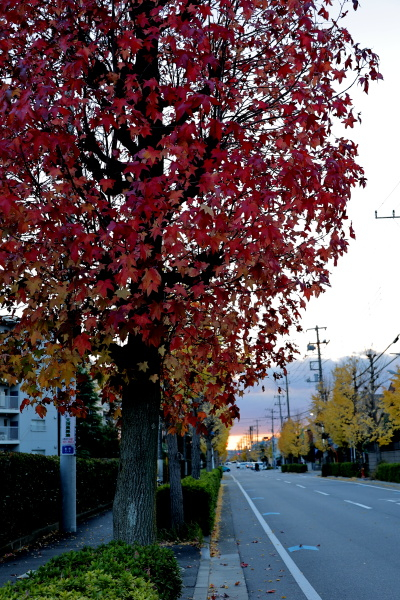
pixel 195 454
pixel 176 496
pixel 209 455
pixel 134 510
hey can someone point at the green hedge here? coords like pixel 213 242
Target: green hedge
pixel 90 585
pixel 96 480
pixel 345 469
pixel 30 491
pixel 388 472
pixel 29 494
pixel 199 501
pixel 110 572
pixel 294 468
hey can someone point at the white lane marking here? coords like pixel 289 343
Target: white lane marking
pixel 302 486
pixel 323 493
pixel 375 487
pixel 288 482
pixel 305 586
pixel 357 504
pixel 386 500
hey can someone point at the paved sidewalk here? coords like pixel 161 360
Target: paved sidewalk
pixel 93 532
pixel 204 577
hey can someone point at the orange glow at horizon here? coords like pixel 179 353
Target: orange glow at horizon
pixel 234 440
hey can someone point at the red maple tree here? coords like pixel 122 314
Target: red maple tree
pixel 171 192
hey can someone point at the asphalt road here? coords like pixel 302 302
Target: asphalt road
pixel 340 539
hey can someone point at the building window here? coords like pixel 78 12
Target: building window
pixel 38 451
pixel 38 425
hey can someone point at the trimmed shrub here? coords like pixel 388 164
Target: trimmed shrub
pixel 199 501
pixel 96 481
pixel 294 468
pixel 146 568
pixel 349 469
pixel 346 469
pixel 29 494
pixel 336 469
pixel 326 470
pixel 30 491
pixel 388 472
pixel 91 585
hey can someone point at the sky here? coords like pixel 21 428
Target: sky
pixel 360 310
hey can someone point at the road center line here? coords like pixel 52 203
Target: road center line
pixel 305 586
pixel 323 493
pixel 357 504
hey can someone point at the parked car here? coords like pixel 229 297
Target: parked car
pixel 225 469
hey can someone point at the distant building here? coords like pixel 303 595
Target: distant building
pixel 26 431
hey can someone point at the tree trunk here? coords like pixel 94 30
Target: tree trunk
pixel 134 510
pixel 195 454
pixel 209 455
pixel 177 517
pixel 216 458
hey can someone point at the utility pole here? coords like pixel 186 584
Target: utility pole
pixel 273 438
pixel 287 396
pixel 392 216
pixel 372 388
pixel 68 473
pixel 311 346
pixel 280 408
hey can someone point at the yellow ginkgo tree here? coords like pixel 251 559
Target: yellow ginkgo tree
pixel 293 440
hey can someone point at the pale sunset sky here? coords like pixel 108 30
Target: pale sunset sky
pixel 361 308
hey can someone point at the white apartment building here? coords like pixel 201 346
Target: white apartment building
pixel 26 431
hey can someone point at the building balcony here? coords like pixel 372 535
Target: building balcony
pixel 9 403
pixel 9 434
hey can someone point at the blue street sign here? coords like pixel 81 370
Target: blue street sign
pixel 67 450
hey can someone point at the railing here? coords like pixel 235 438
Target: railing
pixel 8 434
pixel 8 402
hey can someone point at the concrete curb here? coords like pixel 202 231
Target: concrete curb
pixel 227 574
pixel 203 575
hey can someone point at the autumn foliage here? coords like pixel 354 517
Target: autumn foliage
pixel 170 178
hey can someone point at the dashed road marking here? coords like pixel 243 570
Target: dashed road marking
pixel 358 504
pixel 309 592
pixel 323 493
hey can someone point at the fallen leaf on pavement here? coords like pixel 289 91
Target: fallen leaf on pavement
pixel 237 583
pixel 243 564
pixel 271 591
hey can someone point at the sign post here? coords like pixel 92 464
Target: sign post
pixel 68 473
